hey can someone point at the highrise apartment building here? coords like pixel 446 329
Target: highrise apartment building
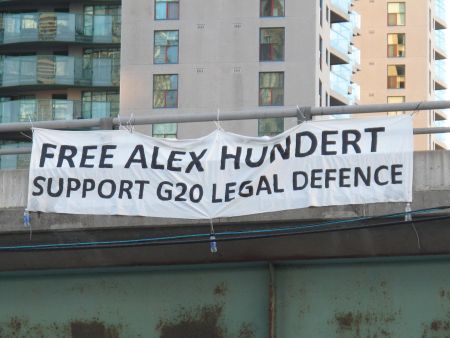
pixel 403 57
pixel 207 56
pixel 59 60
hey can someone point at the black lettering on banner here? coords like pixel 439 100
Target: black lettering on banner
pixel 180 196
pixel 295 183
pixel 374 132
pixel 40 190
pixel 328 176
pixel 66 153
pixel 167 192
pixel 141 184
pixel 315 178
pixel 229 190
pixel 214 194
pixel 248 158
pixel 263 185
pixel 247 186
pixel 276 188
pixel 284 153
pixel 85 156
pixel 60 187
pixel 112 189
pixel 226 155
pixel 311 150
pixel 395 173
pixel 377 175
pixel 88 185
pixel 343 177
pixel 359 174
pixel 73 184
pixel 125 187
pixel 326 142
pixel 45 154
pixel 155 164
pixel 192 193
pixel 196 161
pixel 173 158
pixel 346 142
pixel 138 150
pixel 104 155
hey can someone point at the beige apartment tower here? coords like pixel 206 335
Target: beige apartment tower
pixel 403 57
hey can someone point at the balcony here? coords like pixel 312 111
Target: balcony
pixel 340 45
pixel 442 139
pixel 440 14
pixel 340 89
pixel 46 110
pixel 53 71
pixel 440 74
pixel 59 27
pixel 440 41
pixel 340 10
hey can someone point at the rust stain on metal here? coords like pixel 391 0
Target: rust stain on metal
pixel 221 289
pixel 93 328
pixel 203 322
pixel 361 321
pixel 15 325
pixel 444 294
pixel 246 331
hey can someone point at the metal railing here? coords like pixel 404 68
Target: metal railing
pixel 59 27
pixel 58 70
pixel 301 113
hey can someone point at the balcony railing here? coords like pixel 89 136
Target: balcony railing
pixel 62 27
pixel 440 70
pixel 343 5
pixel 440 39
pixel 50 70
pixel 440 9
pixel 46 110
pixel 339 41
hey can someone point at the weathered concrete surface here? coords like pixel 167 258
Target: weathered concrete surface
pixel 431 189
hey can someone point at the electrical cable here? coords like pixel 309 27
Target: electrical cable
pixel 253 234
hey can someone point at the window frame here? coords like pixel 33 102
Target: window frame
pixel 272 9
pixel 165 91
pixel 390 77
pixel 271 90
pixel 165 135
pixel 398 14
pixel 388 45
pixel 272 45
pixel 167 46
pixel 167 10
pixel 271 134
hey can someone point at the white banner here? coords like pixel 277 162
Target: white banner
pixel 319 163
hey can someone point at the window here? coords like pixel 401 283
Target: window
pixel 271 89
pixel 164 130
pixel 272 7
pixel 396 13
pixel 271 44
pixel 395 99
pixel 165 91
pixel 165 47
pixel 167 9
pixel 270 126
pixel 396 76
pixel 396 45
pixel 96 105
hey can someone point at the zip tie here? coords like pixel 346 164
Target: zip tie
pixel 217 122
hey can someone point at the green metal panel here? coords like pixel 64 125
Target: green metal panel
pixel 184 303
pixel 402 299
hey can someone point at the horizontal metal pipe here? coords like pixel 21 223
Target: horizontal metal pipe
pixel 416 131
pixel 260 112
